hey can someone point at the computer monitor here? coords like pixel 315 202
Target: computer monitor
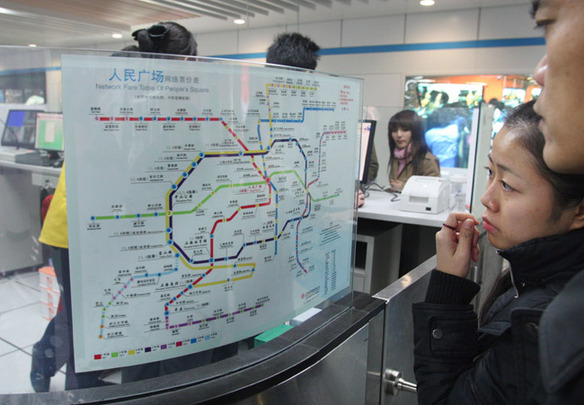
pixel 367 134
pixel 20 129
pixel 49 132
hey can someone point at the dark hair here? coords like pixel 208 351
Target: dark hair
pixel 408 120
pixel 130 48
pixel 130 51
pixel 434 95
pixel 444 98
pixel 568 188
pixel 166 37
pixel 293 49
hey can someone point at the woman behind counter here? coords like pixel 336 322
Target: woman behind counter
pixel 409 152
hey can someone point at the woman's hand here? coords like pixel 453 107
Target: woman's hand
pixel 457 244
pixel 397 185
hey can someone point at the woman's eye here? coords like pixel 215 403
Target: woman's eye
pixel 506 186
pixel 489 172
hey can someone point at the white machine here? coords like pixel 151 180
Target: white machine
pixel 430 195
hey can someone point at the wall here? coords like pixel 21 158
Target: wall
pixel 384 50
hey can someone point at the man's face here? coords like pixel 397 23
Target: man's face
pixel 561 73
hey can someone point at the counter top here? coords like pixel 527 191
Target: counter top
pixel 379 206
pixel 48 170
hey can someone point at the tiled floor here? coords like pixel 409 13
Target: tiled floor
pixel 21 325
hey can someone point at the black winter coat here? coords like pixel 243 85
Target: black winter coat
pixel 455 362
pixel 561 346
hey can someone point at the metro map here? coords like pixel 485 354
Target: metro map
pixel 229 220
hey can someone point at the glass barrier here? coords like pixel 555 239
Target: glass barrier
pixel 209 206
pixel 447 104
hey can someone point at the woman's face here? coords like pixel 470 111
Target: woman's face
pixel 519 201
pixel 401 137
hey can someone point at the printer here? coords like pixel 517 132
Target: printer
pixel 430 195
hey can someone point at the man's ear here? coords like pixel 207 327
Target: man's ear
pixel 578 222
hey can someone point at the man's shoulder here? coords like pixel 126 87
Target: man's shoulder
pixel 569 299
pixel 561 334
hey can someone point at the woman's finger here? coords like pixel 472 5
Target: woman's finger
pixel 455 219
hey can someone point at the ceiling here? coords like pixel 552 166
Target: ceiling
pixel 85 23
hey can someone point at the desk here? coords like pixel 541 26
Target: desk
pixel 392 241
pixel 20 222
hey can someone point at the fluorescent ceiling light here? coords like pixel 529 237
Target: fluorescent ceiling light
pixel 116 35
pixel 427 3
pixel 239 21
pixel 7 11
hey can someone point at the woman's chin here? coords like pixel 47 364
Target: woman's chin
pixel 497 243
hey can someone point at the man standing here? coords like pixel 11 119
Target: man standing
pixel 560 72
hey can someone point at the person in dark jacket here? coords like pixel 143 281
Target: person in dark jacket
pixel 561 330
pixel 535 217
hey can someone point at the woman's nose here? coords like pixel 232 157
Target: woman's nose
pixel 488 199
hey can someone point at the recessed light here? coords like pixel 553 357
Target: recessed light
pixel 427 3
pixel 116 35
pixel 32 45
pixel 239 21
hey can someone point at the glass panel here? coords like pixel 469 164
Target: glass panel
pixel 447 102
pixel 25 87
pixel 208 201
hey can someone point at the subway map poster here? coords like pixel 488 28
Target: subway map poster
pixel 207 201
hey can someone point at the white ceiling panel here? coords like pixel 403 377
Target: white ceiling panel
pixel 84 23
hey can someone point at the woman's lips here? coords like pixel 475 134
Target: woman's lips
pixel 488 226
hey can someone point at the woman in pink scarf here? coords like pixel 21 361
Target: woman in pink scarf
pixel 410 154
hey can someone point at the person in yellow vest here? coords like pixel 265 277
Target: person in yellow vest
pixel 51 352
pixel 54 349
